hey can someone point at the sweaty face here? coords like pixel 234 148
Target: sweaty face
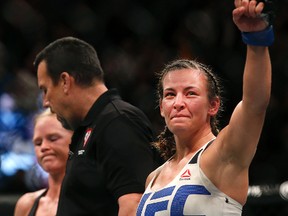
pixel 185 105
pixel 51 143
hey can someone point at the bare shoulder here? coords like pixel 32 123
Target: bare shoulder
pixel 26 201
pixel 152 175
pixel 149 178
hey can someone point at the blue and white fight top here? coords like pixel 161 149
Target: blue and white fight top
pixel 190 193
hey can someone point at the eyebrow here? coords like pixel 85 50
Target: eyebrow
pixel 185 89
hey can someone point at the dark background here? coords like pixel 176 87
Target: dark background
pixel 134 39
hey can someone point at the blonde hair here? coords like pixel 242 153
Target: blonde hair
pixel 46 112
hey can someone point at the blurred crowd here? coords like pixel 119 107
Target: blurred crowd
pixel 134 39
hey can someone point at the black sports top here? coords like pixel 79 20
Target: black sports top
pixel 36 203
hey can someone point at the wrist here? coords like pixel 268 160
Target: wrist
pixel 260 38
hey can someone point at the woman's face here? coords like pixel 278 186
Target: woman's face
pixel 185 105
pixel 51 143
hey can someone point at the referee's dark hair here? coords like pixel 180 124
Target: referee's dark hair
pixel 74 56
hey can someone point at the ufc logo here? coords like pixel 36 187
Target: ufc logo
pixel 178 202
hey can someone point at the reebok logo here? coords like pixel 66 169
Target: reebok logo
pixel 185 175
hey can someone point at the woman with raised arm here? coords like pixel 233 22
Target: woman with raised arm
pixel 207 171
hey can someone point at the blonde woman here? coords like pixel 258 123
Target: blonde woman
pixel 51 144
